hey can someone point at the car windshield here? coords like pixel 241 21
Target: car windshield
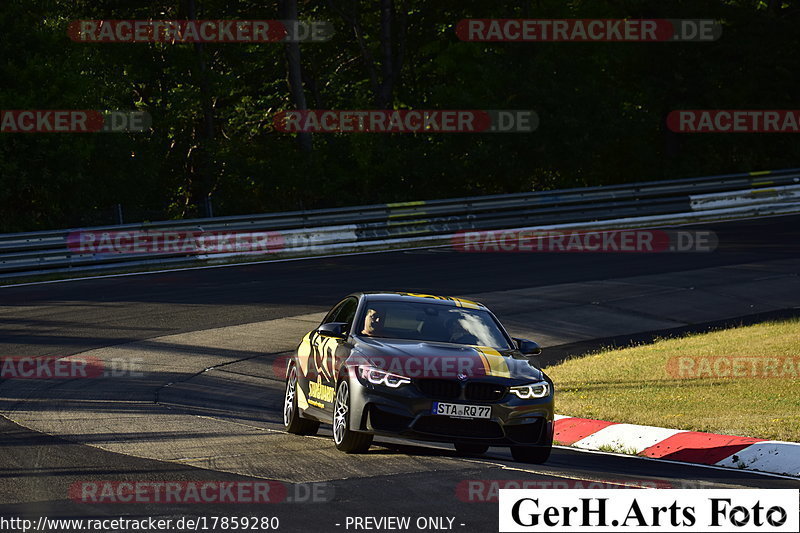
pixel 431 322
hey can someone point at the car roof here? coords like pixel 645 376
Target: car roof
pixel 427 298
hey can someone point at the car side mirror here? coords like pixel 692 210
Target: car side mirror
pixel 333 330
pixel 527 347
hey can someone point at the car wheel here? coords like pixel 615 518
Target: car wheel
pixel 291 414
pixel 531 454
pixel 346 440
pixel 470 448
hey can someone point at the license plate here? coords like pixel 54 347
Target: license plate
pixel 460 410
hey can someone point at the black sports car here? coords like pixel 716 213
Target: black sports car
pixel 423 367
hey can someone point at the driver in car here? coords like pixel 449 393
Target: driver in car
pixel 373 323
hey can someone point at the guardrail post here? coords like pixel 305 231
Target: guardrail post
pixel 209 207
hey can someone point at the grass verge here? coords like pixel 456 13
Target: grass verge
pixel 741 381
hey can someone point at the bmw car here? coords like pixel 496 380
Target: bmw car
pixel 421 367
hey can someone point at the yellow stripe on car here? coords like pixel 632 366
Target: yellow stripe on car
pixel 494 363
pixel 460 302
pixel 417 295
pixel 466 303
pixel 303 353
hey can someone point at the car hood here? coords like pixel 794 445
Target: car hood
pixel 424 359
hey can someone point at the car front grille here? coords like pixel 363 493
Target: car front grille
pixel 443 389
pixel 439 388
pixel 484 392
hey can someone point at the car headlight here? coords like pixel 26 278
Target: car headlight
pixel 377 376
pixel 534 390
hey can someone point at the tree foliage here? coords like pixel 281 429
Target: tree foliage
pixel 602 106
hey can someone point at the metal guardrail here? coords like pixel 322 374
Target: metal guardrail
pixel 27 254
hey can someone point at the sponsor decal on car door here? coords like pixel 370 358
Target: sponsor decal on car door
pixel 321 377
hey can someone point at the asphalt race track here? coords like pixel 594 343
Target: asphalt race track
pixel 180 423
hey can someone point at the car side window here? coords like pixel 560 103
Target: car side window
pixel 347 312
pixel 331 316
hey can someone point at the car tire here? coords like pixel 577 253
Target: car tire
pixel 346 440
pixel 531 454
pixel 471 448
pixel 292 420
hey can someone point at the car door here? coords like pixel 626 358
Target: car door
pixel 328 354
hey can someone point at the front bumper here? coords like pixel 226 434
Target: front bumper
pixel 407 412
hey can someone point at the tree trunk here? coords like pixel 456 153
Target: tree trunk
pixel 383 98
pixel 203 168
pixel 295 73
